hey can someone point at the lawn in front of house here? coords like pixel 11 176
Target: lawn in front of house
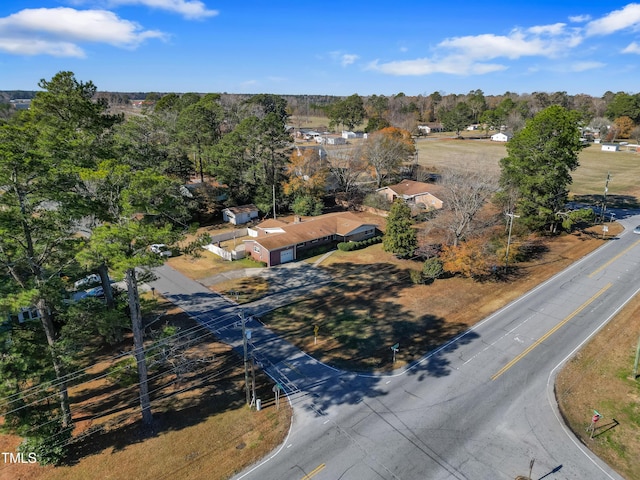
pixel 372 304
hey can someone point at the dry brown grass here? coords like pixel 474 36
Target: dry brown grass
pixel 244 290
pixel 203 430
pixel 372 304
pixel 599 377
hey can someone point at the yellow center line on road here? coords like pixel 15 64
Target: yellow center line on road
pixel 599 269
pixel 550 332
pixel 314 472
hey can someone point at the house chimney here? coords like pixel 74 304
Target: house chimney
pixel 297 219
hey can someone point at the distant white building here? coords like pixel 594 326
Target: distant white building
pixel 430 128
pixel 331 140
pixel 501 137
pixel 610 147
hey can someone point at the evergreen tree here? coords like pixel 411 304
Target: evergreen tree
pixel 400 237
pixel 540 159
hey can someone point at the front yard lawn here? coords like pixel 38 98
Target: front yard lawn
pixel 372 304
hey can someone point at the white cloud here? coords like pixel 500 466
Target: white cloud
pixel 626 17
pixel 191 9
pixel 489 46
pixel 470 55
pixel 584 66
pixel 554 29
pixel 580 18
pixel 26 46
pixel 633 47
pixel 425 66
pixel 345 59
pixel 546 40
pixel 348 59
pixel 57 31
pixel 480 54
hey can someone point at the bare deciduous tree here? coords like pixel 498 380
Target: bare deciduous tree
pixel 347 167
pixel 385 151
pixel 465 194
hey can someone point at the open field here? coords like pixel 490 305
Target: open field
pixel 588 179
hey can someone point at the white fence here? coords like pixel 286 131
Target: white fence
pixel 226 254
pixel 223 237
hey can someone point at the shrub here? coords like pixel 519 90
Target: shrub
pixel 124 373
pixel 47 442
pixel 432 268
pixel 416 276
pixel 348 246
pixel 307 205
pixel 376 200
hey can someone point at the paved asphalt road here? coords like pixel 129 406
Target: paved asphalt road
pixel 480 407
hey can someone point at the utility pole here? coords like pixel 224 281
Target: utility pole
pixel 246 366
pixel 274 201
pixel 253 381
pixel 506 256
pixel 604 196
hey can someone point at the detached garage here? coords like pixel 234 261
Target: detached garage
pixel 240 215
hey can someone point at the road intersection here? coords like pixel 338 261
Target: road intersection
pixel 479 407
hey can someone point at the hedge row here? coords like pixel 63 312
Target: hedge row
pixel 348 246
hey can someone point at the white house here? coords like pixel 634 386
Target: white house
pixel 501 137
pixel 331 140
pixel 430 128
pixel 240 215
pixel 609 147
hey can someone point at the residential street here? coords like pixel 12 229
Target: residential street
pixel 479 407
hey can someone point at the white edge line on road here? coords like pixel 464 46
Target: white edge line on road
pixel 551 383
pixel 285 442
pixel 429 355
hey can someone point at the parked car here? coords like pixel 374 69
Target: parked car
pixel 92 279
pixel 160 249
pixel 637 230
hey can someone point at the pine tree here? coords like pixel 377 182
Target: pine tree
pixel 400 237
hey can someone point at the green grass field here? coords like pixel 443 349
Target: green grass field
pixel 588 179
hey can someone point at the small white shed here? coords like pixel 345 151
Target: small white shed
pixel 240 215
pixel 609 147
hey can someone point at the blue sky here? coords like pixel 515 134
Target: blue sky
pixel 325 47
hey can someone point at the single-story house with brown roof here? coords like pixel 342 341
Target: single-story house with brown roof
pixel 415 193
pixel 240 215
pixel 282 242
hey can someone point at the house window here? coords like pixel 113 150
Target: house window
pixel 256 248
